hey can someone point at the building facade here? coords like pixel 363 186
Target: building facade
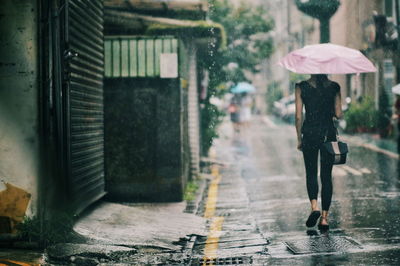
pixel 51 87
pixel 54 137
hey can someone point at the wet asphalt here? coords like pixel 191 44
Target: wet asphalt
pixel 262 197
pixel 261 206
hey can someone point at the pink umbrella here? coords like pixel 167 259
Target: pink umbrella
pixel 326 58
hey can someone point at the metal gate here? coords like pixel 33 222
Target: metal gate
pixel 83 69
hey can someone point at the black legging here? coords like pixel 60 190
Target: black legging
pixel 398 138
pixel 310 155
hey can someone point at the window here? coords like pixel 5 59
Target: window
pixel 135 56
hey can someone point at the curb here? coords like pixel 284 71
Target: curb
pixel 370 146
pixel 194 205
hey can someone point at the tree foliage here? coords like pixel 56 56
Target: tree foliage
pixel 247 44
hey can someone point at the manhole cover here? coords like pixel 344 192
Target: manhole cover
pixel 322 244
pixel 223 261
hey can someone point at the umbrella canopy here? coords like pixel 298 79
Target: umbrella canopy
pixel 396 89
pixel 326 58
pixel 243 87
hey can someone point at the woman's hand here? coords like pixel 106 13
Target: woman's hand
pixel 299 145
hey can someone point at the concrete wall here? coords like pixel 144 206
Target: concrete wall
pixel 19 150
pixel 151 133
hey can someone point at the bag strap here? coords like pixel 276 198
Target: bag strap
pixel 337 132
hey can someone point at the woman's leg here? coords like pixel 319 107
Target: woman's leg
pixel 326 183
pixel 311 164
pixel 324 218
pixel 398 137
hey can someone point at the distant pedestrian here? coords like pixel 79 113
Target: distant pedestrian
pixel 245 108
pixel 322 100
pixel 234 111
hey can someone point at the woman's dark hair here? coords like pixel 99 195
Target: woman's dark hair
pixel 321 79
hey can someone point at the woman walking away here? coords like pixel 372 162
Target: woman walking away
pixel 322 101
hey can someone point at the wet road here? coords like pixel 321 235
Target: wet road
pixel 262 197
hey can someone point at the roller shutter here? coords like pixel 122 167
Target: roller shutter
pixel 84 101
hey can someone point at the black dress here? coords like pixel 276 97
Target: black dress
pixel 317 127
pixel 320 109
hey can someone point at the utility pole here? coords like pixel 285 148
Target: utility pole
pixel 322 10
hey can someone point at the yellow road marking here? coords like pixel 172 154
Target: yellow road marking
pixel 211 247
pixel 210 250
pixel 7 262
pixel 212 198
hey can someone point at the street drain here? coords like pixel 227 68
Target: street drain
pixel 322 244
pixel 223 261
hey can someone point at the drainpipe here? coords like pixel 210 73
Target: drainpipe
pixel 397 11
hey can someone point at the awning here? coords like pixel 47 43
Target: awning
pixel 160 7
pixel 202 30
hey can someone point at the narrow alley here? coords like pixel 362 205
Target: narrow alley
pixel 166 132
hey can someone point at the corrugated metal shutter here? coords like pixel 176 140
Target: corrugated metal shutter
pixel 85 122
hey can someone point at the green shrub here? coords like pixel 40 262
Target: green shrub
pixel 55 230
pixel 362 117
pixel 211 117
pixel 190 190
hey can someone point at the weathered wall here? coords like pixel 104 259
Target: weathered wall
pixel 19 96
pixel 348 28
pixel 143 139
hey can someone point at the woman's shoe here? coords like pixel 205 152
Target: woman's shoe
pixel 313 218
pixel 323 227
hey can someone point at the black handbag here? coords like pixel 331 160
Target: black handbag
pixel 334 151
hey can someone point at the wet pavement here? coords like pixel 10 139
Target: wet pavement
pixel 131 234
pixel 262 203
pixel 253 212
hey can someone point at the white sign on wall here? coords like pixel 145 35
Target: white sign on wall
pixel 169 65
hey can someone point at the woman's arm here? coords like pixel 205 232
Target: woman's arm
pixel 397 107
pixel 299 115
pixel 338 105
